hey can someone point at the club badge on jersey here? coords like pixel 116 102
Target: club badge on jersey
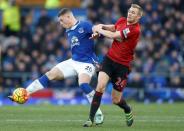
pixel 126 31
pixel 81 30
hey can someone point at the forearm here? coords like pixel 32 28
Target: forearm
pixel 111 33
pixel 106 33
pixel 105 27
pixel 109 27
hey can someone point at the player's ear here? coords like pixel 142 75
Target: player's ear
pixel 139 17
pixel 140 14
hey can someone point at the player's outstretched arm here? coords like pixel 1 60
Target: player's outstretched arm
pixel 95 29
pixel 109 27
pixel 105 27
pixel 109 34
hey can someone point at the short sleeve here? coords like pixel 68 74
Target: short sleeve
pixel 119 20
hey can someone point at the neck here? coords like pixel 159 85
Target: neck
pixel 131 23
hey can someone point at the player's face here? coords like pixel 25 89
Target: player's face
pixel 133 15
pixel 64 20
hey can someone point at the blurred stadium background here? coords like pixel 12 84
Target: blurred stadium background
pixel 32 42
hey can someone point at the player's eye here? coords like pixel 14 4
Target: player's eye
pixel 130 11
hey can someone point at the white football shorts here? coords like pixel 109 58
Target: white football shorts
pixel 74 68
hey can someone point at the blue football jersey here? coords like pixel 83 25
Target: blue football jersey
pixel 82 47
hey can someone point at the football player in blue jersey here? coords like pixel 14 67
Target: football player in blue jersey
pixel 82 62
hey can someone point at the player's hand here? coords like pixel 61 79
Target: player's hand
pixel 94 35
pixel 96 28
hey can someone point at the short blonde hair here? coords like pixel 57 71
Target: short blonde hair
pixel 139 8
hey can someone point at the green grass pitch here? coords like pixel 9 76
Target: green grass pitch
pixel 152 117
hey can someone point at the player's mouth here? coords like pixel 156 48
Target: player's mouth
pixel 129 17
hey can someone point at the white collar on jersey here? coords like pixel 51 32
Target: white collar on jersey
pixel 73 27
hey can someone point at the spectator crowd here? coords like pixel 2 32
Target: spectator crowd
pixel 41 43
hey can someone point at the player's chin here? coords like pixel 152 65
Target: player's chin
pixel 65 26
pixel 129 20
